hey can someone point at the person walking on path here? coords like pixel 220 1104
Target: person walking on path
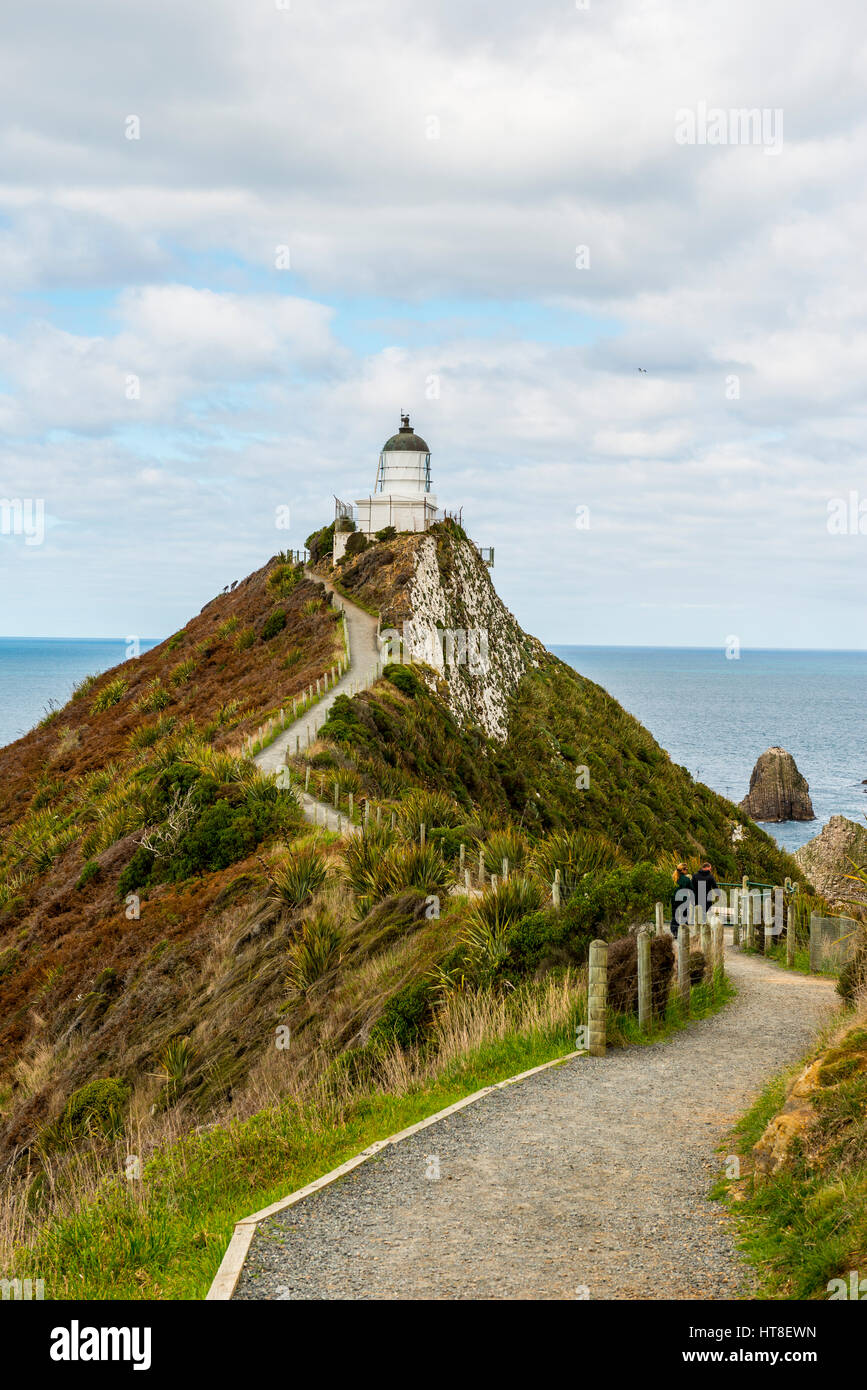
pixel 705 891
pixel 681 899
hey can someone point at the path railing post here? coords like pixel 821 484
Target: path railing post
pixel 705 941
pixel 790 931
pixel 643 949
pixel 683 965
pixel 660 928
pixel 718 950
pixel 555 889
pixel 597 998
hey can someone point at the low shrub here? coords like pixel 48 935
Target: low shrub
pixel 94 1111
pixel 388 533
pixel 274 624
pixel 406 1015
pixel 623 974
pixel 402 678
pixel 109 695
pixel 295 881
pixel 90 871
pixel 313 953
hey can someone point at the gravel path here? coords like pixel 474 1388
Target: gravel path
pixel 588 1180
pixel 364 656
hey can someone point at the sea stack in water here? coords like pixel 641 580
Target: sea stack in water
pixel 777 789
pixel 831 856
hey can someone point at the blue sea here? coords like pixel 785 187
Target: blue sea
pixel 36 671
pixel 713 715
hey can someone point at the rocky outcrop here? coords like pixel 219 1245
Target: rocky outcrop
pixel 829 857
pixel 461 629
pixel 778 791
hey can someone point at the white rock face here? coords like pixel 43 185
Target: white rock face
pixel 461 629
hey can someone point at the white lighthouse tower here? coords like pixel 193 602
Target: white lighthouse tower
pixel 402 494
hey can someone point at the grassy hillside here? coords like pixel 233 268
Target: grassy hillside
pixel 179 950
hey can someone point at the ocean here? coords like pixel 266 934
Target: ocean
pixel 713 715
pixel 34 671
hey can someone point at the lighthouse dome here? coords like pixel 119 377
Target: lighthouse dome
pixel 404 464
pixel 406 439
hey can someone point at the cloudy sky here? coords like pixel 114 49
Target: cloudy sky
pixel 238 236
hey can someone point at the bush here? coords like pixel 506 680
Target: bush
pixel 697 967
pixel 180 674
pixel 409 866
pixel 95 1110
pixel 853 976
pixel 90 871
pixel 109 695
pixel 274 623
pixel 429 809
pixel 137 872
pixel 295 881
pixel 245 639
pixel 577 854
pixel 608 905
pixel 486 935
pixel 405 1016
pixel 505 844
pixel 356 544
pixel 313 953
pixel 387 533
pixel 155 698
pixel 321 543
pixel 221 835
pixel 402 678
pixel 284 578
pixel 623 974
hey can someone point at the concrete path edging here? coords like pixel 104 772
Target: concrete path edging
pixel 232 1263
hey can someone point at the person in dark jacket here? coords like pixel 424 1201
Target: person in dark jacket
pixel 682 898
pixel 705 891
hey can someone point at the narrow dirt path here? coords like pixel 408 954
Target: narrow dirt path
pixel 364 656
pixel 593 1175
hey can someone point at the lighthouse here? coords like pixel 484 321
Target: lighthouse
pixel 401 495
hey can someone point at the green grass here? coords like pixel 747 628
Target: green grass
pixel 705 1000
pixel 806 1224
pixel 164 1236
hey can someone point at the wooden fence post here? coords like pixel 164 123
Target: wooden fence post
pixel 462 857
pixel 467 881
pixel 336 793
pixel 659 923
pixel 718 948
pixel 643 949
pixel 350 806
pixel 790 932
pixel 555 889
pixel 597 998
pixel 493 883
pixel 683 965
pixel 705 942
pixel 422 830
pixel 481 868
pixel 505 869
pixel 307 778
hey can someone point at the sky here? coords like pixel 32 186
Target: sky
pixel 238 237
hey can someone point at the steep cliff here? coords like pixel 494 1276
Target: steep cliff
pixel 778 791
pixel 832 856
